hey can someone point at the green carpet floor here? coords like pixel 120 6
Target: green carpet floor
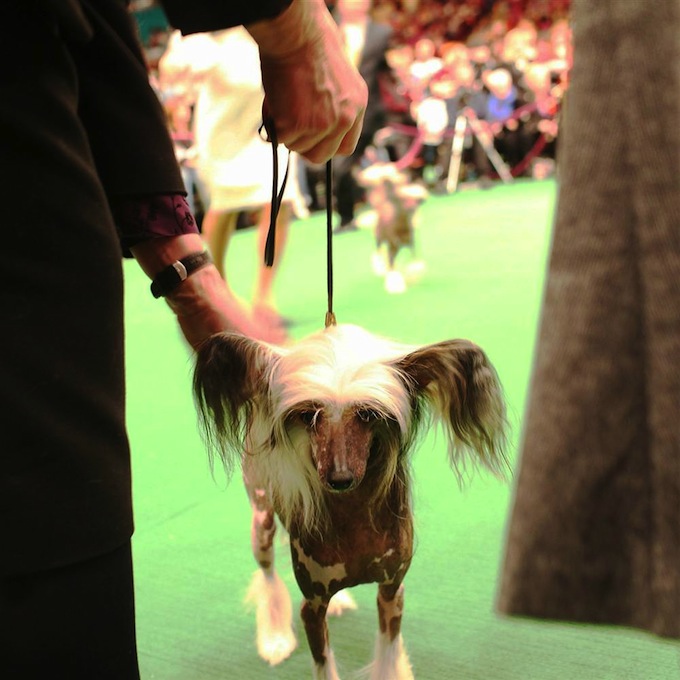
pixel 486 254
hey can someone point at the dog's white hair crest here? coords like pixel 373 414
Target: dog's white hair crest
pixel 340 366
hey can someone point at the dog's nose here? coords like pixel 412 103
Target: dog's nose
pixel 340 481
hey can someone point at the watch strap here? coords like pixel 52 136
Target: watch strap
pixel 169 278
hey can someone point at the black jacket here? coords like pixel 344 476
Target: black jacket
pixel 80 125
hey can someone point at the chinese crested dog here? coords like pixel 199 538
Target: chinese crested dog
pixel 394 201
pixel 323 431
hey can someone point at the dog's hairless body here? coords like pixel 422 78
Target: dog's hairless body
pixel 354 550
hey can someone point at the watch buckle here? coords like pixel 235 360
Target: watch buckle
pixel 180 269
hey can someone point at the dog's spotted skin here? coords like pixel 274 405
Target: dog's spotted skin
pixel 353 551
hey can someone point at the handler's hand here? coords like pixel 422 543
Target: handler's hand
pixel 204 305
pixel 314 95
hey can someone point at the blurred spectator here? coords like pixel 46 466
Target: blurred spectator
pixel 518 47
pixel 155 46
pixel 453 53
pixel 561 53
pixel 540 93
pixel 494 105
pixel 485 74
pixel 432 120
pixel 234 163
pixel 425 65
pixel 500 103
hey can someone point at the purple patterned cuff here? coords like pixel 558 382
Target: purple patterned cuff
pixel 141 218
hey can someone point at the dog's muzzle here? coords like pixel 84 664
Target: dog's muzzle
pixel 340 481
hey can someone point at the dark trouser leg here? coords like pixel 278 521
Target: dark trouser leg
pixel 346 190
pixel 74 622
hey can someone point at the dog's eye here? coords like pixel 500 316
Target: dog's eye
pixel 308 416
pixel 368 415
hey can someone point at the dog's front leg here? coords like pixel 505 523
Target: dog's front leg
pixel 274 613
pixel 314 617
pixel 391 661
pixel 262 531
pixel 394 279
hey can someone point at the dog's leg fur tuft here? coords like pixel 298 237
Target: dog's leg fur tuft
pixel 274 616
pixel 390 661
pixel 327 671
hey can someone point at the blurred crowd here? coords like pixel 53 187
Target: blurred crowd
pixel 504 66
pixel 499 68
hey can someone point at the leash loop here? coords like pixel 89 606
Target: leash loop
pixel 277 198
pixel 277 195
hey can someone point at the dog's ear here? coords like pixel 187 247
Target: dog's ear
pixel 229 377
pixel 459 386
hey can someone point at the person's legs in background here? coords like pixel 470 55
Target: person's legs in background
pixel 218 227
pixel 346 193
pixel 264 305
pixel 347 190
pixel 299 186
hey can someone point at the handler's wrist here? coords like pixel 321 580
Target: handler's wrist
pixel 200 305
pixel 295 27
pixel 168 279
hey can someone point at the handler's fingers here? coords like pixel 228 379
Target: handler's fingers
pixel 319 149
pixel 342 145
pixel 290 133
pixel 351 138
pixel 342 140
pixel 320 146
pixel 316 147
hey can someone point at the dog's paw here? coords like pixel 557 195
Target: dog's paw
pixel 395 282
pixel 274 615
pixel 379 263
pixel 276 647
pixel 367 219
pixel 391 661
pixel 341 602
pixel 415 270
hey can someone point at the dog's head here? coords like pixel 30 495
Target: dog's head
pixel 385 183
pixel 342 408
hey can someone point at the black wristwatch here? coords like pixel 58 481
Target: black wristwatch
pixel 169 278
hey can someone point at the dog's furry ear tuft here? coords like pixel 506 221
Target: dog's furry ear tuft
pixel 229 376
pixel 460 387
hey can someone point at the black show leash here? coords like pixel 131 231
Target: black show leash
pixel 330 314
pixel 277 197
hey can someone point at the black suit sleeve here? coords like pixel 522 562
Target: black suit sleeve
pixel 195 16
pixel 125 122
